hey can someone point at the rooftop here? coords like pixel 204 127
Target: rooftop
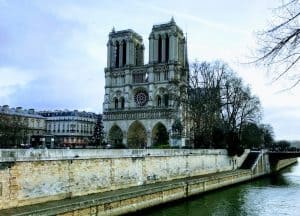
pixel 68 113
pixel 126 32
pixel 5 109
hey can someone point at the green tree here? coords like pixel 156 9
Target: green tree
pixel 268 135
pixel 252 136
pixel 13 131
pixel 282 145
pixel 98 135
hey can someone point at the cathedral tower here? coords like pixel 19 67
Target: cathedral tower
pixel 140 108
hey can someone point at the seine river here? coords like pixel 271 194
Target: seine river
pixel 276 195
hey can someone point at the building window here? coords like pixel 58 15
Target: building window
pixel 158 101
pixel 122 103
pixel 166 75
pixel 157 76
pixel 138 78
pixel 116 103
pixel 124 53
pixel 117 54
pixel 159 49
pixel 137 48
pixel 166 100
pixel 167 48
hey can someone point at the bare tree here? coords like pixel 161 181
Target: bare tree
pixel 217 102
pixel 239 106
pixel 204 101
pixel 279 46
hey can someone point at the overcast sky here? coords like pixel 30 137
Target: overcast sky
pixel 53 52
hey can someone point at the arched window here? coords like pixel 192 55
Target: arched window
pixel 167 48
pixel 166 75
pixel 124 53
pixel 117 54
pixel 122 103
pixel 158 101
pixel 166 100
pixel 116 103
pixel 159 49
pixel 137 52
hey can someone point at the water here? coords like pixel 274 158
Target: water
pixel 276 195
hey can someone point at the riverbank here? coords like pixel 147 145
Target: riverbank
pixel 29 177
pixel 276 194
pixel 133 198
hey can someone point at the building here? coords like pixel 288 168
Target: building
pixel 22 125
pixel 140 108
pixel 70 128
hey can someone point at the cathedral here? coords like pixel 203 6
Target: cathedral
pixel 142 104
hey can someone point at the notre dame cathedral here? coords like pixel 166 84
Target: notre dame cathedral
pixel 142 105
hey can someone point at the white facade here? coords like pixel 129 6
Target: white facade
pixel 139 95
pixel 71 128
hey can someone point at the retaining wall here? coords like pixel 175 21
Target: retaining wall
pixel 35 176
pixel 284 163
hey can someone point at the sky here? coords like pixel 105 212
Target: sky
pixel 53 52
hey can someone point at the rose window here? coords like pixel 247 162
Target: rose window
pixel 141 98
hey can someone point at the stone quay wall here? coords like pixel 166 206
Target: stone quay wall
pixel 284 163
pixel 39 175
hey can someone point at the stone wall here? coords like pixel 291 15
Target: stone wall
pixel 284 163
pixel 262 165
pixel 34 176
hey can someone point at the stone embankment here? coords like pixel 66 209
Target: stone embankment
pixel 112 182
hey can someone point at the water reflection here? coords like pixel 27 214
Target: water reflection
pixel 275 195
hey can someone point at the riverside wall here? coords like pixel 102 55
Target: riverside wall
pixel 284 163
pixel 70 182
pixel 34 176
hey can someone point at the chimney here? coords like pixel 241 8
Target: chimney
pixel 31 111
pixel 5 108
pixel 18 109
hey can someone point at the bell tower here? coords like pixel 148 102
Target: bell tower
pixel 167 44
pixel 124 48
pixel 140 108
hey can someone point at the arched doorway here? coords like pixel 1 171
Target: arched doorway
pixel 160 136
pixel 115 136
pixel 137 136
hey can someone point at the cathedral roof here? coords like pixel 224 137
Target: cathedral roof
pixel 168 25
pixel 125 33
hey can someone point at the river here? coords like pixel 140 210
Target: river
pixel 275 195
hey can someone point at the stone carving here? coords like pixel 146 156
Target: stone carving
pixel 141 98
pixel 131 115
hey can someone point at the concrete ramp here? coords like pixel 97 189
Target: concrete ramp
pixel 250 160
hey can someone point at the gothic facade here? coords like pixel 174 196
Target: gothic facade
pixel 141 106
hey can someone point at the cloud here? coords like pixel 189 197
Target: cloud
pixel 191 17
pixel 13 79
pixel 50 62
pixel 53 53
